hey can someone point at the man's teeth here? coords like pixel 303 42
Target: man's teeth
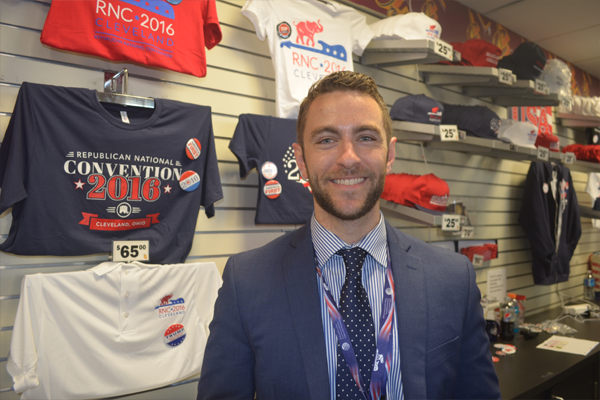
pixel 348 181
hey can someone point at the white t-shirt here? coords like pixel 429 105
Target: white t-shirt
pixel 593 189
pixel 308 39
pixel 111 330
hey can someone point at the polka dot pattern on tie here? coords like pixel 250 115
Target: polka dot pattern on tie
pixel 356 312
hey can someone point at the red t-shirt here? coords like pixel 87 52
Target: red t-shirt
pixel 150 32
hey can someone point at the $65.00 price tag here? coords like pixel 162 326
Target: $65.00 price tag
pixel 451 222
pixel 131 250
pixel 448 132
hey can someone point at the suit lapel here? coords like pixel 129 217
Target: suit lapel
pixel 411 309
pixel 305 305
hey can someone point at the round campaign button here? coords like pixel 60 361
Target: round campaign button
pixel 495 359
pixel 269 170
pixel 189 181
pixel 193 149
pixel 501 353
pixel 510 350
pixel 272 189
pixel 499 346
pixel 545 187
pixel 174 335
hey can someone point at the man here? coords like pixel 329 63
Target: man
pixel 284 307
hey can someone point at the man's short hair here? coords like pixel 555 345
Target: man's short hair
pixel 343 81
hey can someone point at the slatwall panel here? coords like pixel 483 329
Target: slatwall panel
pixel 241 80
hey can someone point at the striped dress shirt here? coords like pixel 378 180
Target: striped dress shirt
pixel 333 269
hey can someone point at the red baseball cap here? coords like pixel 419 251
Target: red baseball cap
pixel 477 53
pixel 547 140
pixel 425 192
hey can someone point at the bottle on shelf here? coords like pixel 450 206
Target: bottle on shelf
pixel 588 286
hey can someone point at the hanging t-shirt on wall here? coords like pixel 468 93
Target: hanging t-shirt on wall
pixel 265 143
pixel 150 32
pixel 80 175
pixel 308 39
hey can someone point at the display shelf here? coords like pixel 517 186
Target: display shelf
pixel 500 85
pixel 410 214
pixel 588 212
pixel 388 53
pixel 430 134
pixel 578 121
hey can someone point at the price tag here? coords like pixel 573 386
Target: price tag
pixel 569 158
pixel 477 260
pixel 448 132
pixel 566 103
pixel 505 76
pixel 443 49
pixel 131 250
pixel 451 223
pixel 543 153
pixel 540 86
pixel 462 134
pixel 467 232
pixel 513 147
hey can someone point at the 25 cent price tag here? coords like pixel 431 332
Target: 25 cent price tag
pixel 505 76
pixel 451 223
pixel 477 260
pixel 467 232
pixel 543 153
pixel 443 49
pixel 540 87
pixel 131 250
pixel 569 158
pixel 448 132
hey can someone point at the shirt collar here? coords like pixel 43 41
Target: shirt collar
pixel 326 243
pixel 106 267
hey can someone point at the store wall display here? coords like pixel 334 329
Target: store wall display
pixel 550 218
pixel 417 108
pixel 158 33
pixel 478 121
pixel 520 133
pixel 489 251
pixel 265 143
pixel 584 152
pixel 409 26
pixel 307 39
pixel 242 81
pixel 99 333
pixel 79 174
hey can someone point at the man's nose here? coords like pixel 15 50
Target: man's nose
pixel 348 157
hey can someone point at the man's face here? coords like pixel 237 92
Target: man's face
pixel 345 154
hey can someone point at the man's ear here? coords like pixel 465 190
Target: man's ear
pixel 300 160
pixel 391 156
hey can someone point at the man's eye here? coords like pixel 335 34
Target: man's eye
pixel 325 141
pixel 366 138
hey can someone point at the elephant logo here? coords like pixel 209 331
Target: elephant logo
pixel 306 32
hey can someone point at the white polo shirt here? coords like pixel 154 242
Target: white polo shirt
pixel 114 329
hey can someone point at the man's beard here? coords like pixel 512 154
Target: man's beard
pixel 324 200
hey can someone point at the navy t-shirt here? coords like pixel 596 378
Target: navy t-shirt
pixel 259 139
pixel 78 177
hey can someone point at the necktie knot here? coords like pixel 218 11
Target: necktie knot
pixel 353 259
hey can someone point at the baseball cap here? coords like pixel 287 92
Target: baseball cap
pixel 407 26
pixel 425 192
pixel 557 76
pixel 520 133
pixel 476 120
pixel 417 108
pixel 527 61
pixel 477 53
pixel 547 140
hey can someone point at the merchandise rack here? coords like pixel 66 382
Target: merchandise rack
pixel 500 85
pixel 577 120
pixel 394 52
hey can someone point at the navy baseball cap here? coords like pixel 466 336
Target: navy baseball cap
pixel 476 120
pixel 417 108
pixel 527 61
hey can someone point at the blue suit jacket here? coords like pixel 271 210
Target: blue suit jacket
pixel 267 334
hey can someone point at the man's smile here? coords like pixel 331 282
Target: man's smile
pixel 348 182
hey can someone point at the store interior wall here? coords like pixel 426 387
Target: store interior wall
pixel 241 79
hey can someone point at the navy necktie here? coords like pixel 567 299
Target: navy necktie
pixel 356 312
